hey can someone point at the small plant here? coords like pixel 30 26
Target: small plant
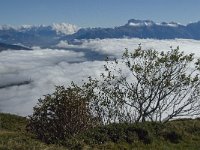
pixel 172 136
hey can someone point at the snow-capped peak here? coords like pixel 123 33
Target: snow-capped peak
pixel 61 28
pixel 6 27
pixel 138 23
pixel 65 28
pixel 170 24
pixel 134 22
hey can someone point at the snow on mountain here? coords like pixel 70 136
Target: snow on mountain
pixel 6 27
pixel 59 28
pixel 135 23
pixel 17 28
pixel 36 35
pixel 65 28
pixel 170 24
pixel 140 23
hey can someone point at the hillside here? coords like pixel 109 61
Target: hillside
pixel 179 134
pixel 13 135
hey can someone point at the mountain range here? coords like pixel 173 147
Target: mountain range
pixel 141 29
pixel 46 36
pixel 31 35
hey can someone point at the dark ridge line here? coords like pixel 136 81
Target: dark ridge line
pixel 15 84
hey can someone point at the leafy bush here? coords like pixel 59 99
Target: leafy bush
pixel 143 135
pixel 73 144
pixel 116 133
pixel 172 136
pixel 61 115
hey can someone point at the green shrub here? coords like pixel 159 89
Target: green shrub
pixel 143 135
pixel 116 133
pixel 73 144
pixel 61 115
pixel 95 136
pixel 172 136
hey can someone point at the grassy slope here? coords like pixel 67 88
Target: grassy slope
pixel 179 135
pixel 14 136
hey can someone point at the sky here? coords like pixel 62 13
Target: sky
pixel 97 13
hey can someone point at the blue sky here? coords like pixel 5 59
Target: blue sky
pixel 97 13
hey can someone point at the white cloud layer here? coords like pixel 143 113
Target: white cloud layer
pixel 46 68
pixel 189 46
pixel 117 46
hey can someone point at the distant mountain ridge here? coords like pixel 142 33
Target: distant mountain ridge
pixel 45 36
pixel 141 29
pixel 31 35
pixel 59 28
pixel 4 46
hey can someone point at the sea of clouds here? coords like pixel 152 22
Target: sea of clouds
pixel 25 76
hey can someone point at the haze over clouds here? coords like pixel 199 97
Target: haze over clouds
pixel 45 68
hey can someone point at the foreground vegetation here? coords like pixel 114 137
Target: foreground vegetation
pixel 178 134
